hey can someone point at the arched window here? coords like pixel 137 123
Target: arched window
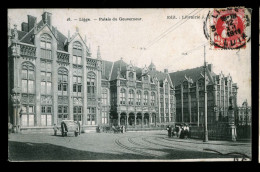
pixel 131 97
pixel 145 98
pixel 153 99
pixel 138 98
pixel 77 53
pixel 46 46
pixel 122 96
pixel 28 94
pixel 131 76
pixel 91 84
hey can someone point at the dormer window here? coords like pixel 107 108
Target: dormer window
pixel 131 76
pixel 46 46
pixel 77 53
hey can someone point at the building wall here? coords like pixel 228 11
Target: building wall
pixel 190 100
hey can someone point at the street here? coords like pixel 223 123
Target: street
pixel 133 146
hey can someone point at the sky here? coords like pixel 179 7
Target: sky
pixel 165 33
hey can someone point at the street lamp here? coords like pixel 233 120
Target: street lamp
pixel 16 101
pixel 205 101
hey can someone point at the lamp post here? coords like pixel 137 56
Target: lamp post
pixel 205 101
pixel 16 101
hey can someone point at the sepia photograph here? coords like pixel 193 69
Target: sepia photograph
pixel 129 85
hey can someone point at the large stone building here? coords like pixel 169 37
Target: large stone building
pixel 189 92
pixel 52 77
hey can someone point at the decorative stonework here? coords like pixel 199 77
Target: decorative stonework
pixel 28 51
pixel 77 101
pixel 63 100
pixel 46 99
pixel 91 63
pixel 63 58
pixel 25 99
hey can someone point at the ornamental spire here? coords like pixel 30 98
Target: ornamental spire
pixel 98 54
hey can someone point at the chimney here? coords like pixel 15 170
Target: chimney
pixel 24 27
pixel 210 67
pixel 31 22
pixel 46 18
pixel 165 70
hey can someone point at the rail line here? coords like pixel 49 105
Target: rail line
pixel 172 147
pixel 117 142
pixel 244 144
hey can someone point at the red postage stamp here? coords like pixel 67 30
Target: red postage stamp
pixel 228 28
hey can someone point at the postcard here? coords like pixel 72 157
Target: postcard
pixel 157 84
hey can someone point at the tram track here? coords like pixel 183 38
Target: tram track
pixel 243 144
pixel 118 143
pixel 163 145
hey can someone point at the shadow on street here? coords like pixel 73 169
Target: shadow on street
pixel 43 151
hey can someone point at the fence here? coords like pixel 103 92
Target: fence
pixel 244 132
pixel 221 131
pixel 218 131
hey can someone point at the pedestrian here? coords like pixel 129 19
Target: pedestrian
pixel 182 132
pixel 188 130
pixel 185 131
pixel 170 131
pixel 55 128
pixel 79 127
pixel 123 128
pixel 177 129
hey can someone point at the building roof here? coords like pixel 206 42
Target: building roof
pixel 194 74
pixel 120 64
pixel 27 37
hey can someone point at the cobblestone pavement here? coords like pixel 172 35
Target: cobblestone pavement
pixel 133 146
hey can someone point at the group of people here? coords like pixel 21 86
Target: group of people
pixel 118 129
pixel 180 131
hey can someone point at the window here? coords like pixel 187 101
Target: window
pixel 104 96
pixel 91 116
pixel 131 76
pixel 138 99
pixel 46 46
pixel 46 116
pixel 122 96
pixel 62 113
pixel 46 80
pixel 131 97
pixel 77 84
pixel 91 84
pixel 77 53
pixel 104 116
pixel 145 98
pixel 77 114
pixel 28 94
pixel 153 99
